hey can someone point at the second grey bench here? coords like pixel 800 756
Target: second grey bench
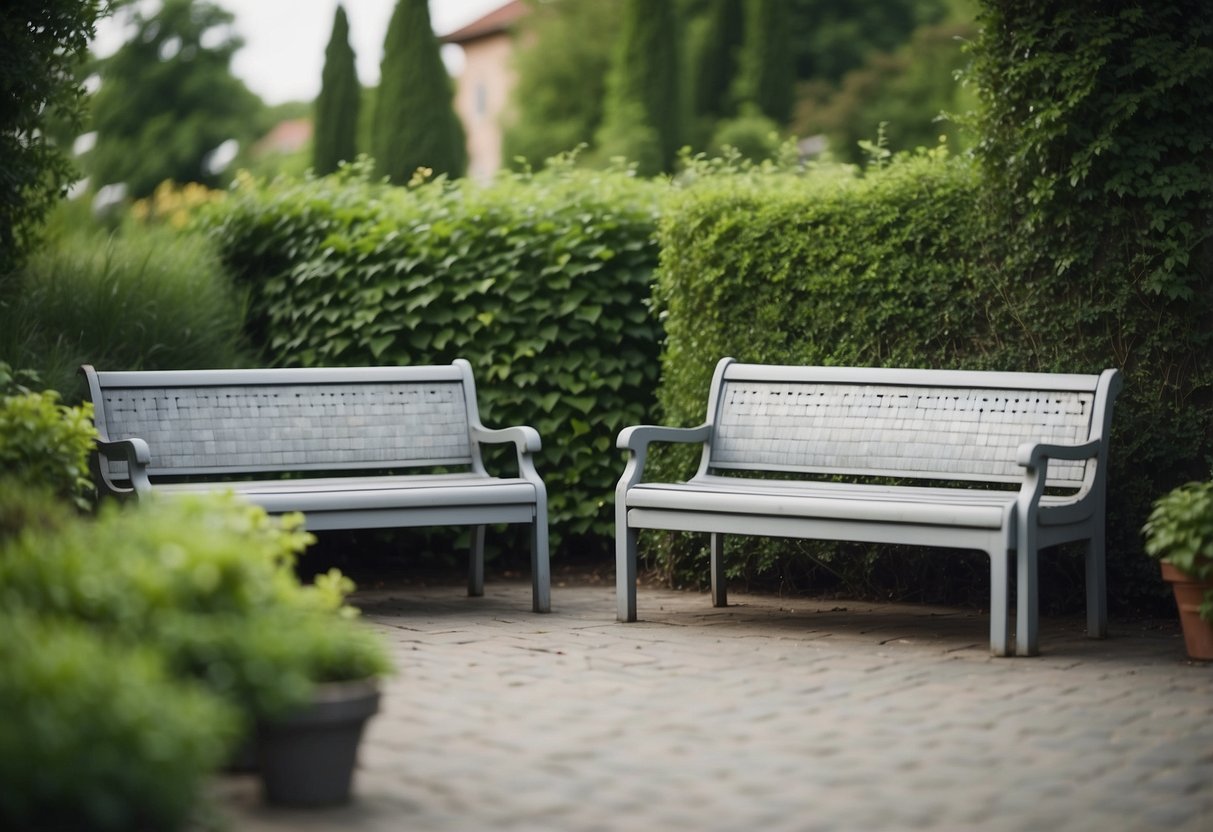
pixel 1005 463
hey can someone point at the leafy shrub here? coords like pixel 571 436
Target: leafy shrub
pixel 207 581
pixel 541 281
pixel 98 735
pixel 44 443
pixel 147 298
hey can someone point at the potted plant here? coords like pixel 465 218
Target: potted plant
pixel 306 753
pixel 1180 533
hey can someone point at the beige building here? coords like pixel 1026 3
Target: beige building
pixel 483 88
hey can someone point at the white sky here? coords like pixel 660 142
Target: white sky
pixel 284 40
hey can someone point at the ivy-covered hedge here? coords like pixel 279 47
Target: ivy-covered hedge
pixel 542 282
pixel 1096 156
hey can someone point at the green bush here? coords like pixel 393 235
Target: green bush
pixel 209 583
pixel 769 266
pixel 146 298
pixel 98 735
pixel 43 443
pixel 541 281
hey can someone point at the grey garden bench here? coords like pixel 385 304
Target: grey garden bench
pixel 834 436
pixel 370 447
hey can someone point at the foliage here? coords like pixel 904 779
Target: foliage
pixel 173 204
pixel 1180 531
pixel 765 66
pixel 906 90
pixel 415 124
pixel 771 264
pixel 1097 157
pixel 832 37
pixel 98 735
pixel 168 99
pixel 712 63
pixel 751 134
pixel 44 444
pixel 643 86
pixel 336 121
pixel 147 298
pixel 209 583
pixel 556 104
pixel 540 281
pixel 42 45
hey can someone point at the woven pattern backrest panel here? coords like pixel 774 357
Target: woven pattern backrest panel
pixel 893 430
pixel 292 426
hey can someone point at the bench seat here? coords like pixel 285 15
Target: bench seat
pixel 383 502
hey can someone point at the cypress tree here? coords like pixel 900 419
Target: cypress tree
pixel 642 87
pixel 716 64
pixel 415 123
pixel 337 105
pixel 767 70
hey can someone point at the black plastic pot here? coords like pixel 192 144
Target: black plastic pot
pixel 308 757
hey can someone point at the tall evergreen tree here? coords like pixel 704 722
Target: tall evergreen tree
pixel 767 69
pixel 336 124
pixel 415 124
pixel 642 97
pixel 715 64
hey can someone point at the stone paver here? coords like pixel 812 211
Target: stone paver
pixel 770 714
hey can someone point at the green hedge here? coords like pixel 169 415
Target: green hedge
pixel 825 268
pixel 540 281
pixel 900 268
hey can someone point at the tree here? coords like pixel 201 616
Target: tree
pixel 336 120
pixel 557 101
pixel 415 124
pixel 765 72
pixel 42 44
pixel 906 90
pixel 642 94
pixel 168 99
pixel 831 37
pixel 715 62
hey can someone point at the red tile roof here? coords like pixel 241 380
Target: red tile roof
pixel 495 22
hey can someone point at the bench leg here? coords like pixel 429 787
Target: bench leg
pixel 719 588
pixel 476 563
pixel 1027 615
pixel 541 579
pixel 625 567
pixel 1000 634
pixel 1097 584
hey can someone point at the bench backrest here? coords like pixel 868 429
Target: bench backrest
pixel 199 422
pixel 922 424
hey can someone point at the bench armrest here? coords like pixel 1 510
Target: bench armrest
pixel 1037 454
pixel 526 442
pixel 1034 457
pixel 137 455
pixel 636 441
pixel 524 437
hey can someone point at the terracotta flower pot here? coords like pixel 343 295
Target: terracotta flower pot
pixel 308 757
pixel 1189 594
